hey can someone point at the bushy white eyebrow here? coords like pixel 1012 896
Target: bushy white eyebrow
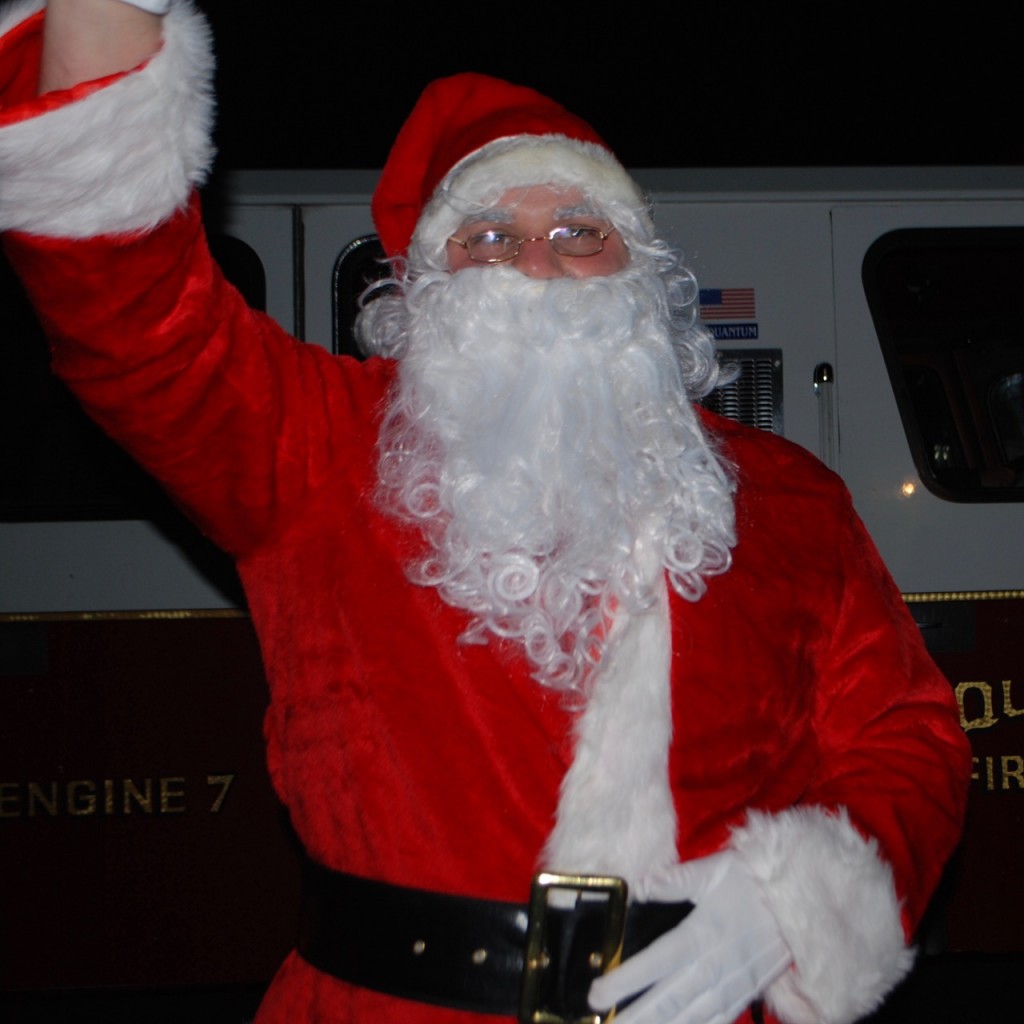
pixel 505 215
pixel 580 210
pixel 495 215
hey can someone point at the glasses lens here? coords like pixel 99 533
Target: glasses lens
pixel 577 240
pixel 491 246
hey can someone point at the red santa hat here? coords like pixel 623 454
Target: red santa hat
pixel 469 139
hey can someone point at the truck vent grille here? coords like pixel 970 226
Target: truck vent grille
pixel 754 396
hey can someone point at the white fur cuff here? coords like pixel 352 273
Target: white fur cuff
pixel 123 158
pixel 153 6
pixel 836 905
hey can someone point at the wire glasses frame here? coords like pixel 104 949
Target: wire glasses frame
pixel 499 246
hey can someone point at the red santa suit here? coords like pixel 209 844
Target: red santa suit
pixel 809 729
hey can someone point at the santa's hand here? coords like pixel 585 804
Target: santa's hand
pixel 711 966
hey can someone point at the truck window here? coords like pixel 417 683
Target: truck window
pixel 947 312
pixel 55 463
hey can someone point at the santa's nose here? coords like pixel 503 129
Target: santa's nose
pixel 537 259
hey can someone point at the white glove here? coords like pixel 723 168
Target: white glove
pixel 153 6
pixel 712 965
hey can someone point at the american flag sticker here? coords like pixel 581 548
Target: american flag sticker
pixel 727 304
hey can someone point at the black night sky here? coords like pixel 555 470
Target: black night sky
pixel 312 84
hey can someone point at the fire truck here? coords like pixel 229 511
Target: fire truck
pixel 873 316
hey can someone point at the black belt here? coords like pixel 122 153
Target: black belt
pixel 480 955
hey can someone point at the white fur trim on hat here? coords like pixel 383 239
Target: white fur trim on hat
pixel 480 179
pixel 834 899
pixel 123 158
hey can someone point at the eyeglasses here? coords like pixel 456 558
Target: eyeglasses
pixel 498 246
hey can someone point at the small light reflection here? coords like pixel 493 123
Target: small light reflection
pixel 908 488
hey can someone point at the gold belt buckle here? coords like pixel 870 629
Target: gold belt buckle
pixel 537 956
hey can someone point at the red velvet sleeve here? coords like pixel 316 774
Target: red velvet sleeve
pixel 870 726
pixel 892 750
pixel 238 420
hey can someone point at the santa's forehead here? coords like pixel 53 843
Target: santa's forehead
pixel 558 202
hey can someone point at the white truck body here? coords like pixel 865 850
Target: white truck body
pixel 797 238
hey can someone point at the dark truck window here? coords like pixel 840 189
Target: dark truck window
pixel 54 463
pixel 359 264
pixel 947 307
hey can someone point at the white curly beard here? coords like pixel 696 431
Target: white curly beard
pixel 538 428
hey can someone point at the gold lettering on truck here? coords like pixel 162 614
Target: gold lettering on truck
pixel 110 797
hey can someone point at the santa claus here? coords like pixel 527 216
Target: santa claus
pixel 530 623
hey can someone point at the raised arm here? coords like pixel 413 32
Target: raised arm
pixel 88 39
pixel 240 422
